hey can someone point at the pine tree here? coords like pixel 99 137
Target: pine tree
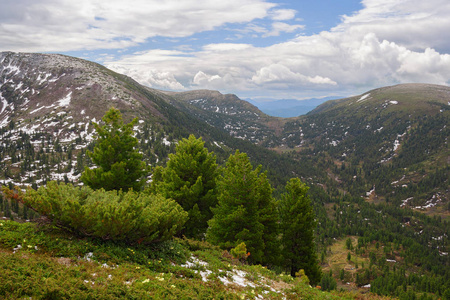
pixel 119 164
pixel 297 222
pixel 190 179
pixel 245 211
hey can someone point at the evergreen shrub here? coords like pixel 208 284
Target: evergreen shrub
pixel 110 215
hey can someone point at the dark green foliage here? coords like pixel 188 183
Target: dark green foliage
pixel 119 163
pixel 416 242
pixel 328 283
pixel 399 285
pixel 297 223
pixel 111 215
pixel 190 179
pixel 348 244
pixel 361 158
pixel 245 212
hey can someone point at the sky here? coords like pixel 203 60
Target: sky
pixel 259 49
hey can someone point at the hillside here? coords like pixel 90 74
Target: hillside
pixel 391 143
pixel 375 163
pixel 47 104
pixel 353 144
pixel 388 144
pixel 227 112
pixel 45 263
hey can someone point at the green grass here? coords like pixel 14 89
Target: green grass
pixel 52 264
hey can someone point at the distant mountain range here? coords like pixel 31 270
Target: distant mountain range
pixel 288 108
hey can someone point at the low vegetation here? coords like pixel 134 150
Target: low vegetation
pixel 44 262
pixel 109 215
pixel 125 241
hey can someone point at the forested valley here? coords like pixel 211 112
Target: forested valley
pixel 395 251
pixel 366 177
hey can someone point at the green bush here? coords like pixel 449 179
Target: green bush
pixel 111 215
pixel 240 252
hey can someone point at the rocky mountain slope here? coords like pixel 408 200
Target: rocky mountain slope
pixel 229 113
pixel 391 142
pixel 374 162
pixel 47 105
pixel 48 101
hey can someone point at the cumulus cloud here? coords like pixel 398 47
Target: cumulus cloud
pixel 281 76
pixel 225 47
pixel 282 14
pixel 204 80
pixel 63 25
pixel 327 63
pixel 278 27
pixel 414 24
pixel 151 78
pixel 386 42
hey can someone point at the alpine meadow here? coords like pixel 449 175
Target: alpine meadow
pixel 115 190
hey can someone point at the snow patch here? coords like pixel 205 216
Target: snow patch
pixel 4 103
pixel 363 97
pixel 66 100
pixel 4 122
pixel 405 202
pixel 334 143
pixel 238 276
pixel 42 79
pixel 372 191
pixel 396 144
pixel 433 201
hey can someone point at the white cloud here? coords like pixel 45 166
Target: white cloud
pixel 226 47
pixel 327 63
pixel 281 76
pixel 202 79
pixel 151 78
pixel 429 66
pixel 63 25
pixel 279 27
pixel 282 14
pixel 387 42
pixel 414 24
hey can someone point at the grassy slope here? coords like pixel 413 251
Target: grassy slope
pixel 51 264
pixel 412 99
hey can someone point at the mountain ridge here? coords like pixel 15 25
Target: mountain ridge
pixel 57 97
pixel 50 105
pixel 375 163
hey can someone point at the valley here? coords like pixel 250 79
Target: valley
pixel 377 164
